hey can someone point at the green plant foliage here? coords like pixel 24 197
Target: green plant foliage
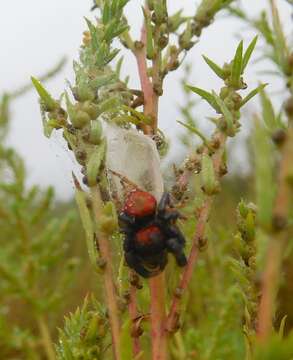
pixel 42 248
pixel 85 334
pixel 263 149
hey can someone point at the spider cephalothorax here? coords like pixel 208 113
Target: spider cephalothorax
pixel 150 233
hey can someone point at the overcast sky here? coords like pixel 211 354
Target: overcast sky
pixel 35 34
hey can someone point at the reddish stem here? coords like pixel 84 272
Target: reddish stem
pixel 146 85
pixel 158 317
pixel 134 316
pixel 270 279
pixel 173 317
pixel 110 290
pixel 156 284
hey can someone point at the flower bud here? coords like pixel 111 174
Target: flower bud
pixel 225 91
pixel 80 119
pixel 91 109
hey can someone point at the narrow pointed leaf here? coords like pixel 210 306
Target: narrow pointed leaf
pixel 282 326
pixel 140 116
pixel 106 12
pixel 252 94
pixel 94 163
pixel 248 53
pixel 194 130
pixel 205 95
pixel 86 222
pixel 264 177
pixel 126 341
pixel 216 68
pixel 50 103
pixel 280 43
pixel 237 65
pixel 268 111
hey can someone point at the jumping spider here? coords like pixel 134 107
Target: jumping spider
pixel 150 233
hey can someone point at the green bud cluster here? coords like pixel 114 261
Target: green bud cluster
pixel 84 334
pixel 209 182
pixel 245 267
pixel 229 102
pixel 98 93
pixel 206 13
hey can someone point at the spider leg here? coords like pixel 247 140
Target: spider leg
pixel 130 220
pixel 176 248
pixel 174 232
pixel 170 215
pixel 134 263
pixel 164 202
pixel 127 243
pixel 163 261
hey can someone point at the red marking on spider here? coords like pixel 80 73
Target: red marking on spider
pixel 140 203
pixel 144 236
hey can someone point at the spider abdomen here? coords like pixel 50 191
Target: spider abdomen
pixel 149 239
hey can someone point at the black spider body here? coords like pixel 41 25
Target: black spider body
pixel 150 233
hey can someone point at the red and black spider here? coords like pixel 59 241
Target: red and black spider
pixel 150 233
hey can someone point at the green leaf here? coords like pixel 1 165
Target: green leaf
pixel 216 68
pixel 264 179
pixel 119 66
pixel 47 99
pixel 263 26
pixel 111 56
pixel 111 104
pixel 252 94
pixel 126 341
pixel 106 12
pixel 282 326
pixel 87 223
pixel 94 163
pixel 122 3
pixel 114 7
pixel 143 119
pixel 237 65
pixel 268 112
pixel 194 130
pixel 248 54
pixel 103 80
pixel 93 32
pixel 281 48
pixel 204 95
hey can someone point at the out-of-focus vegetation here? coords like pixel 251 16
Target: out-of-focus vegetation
pixel 45 270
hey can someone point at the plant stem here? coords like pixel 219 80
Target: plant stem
pixel 109 285
pixel 146 85
pixel 269 289
pixel 46 338
pixel 156 284
pixel 274 255
pixel 158 317
pixel 173 317
pixel 132 307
